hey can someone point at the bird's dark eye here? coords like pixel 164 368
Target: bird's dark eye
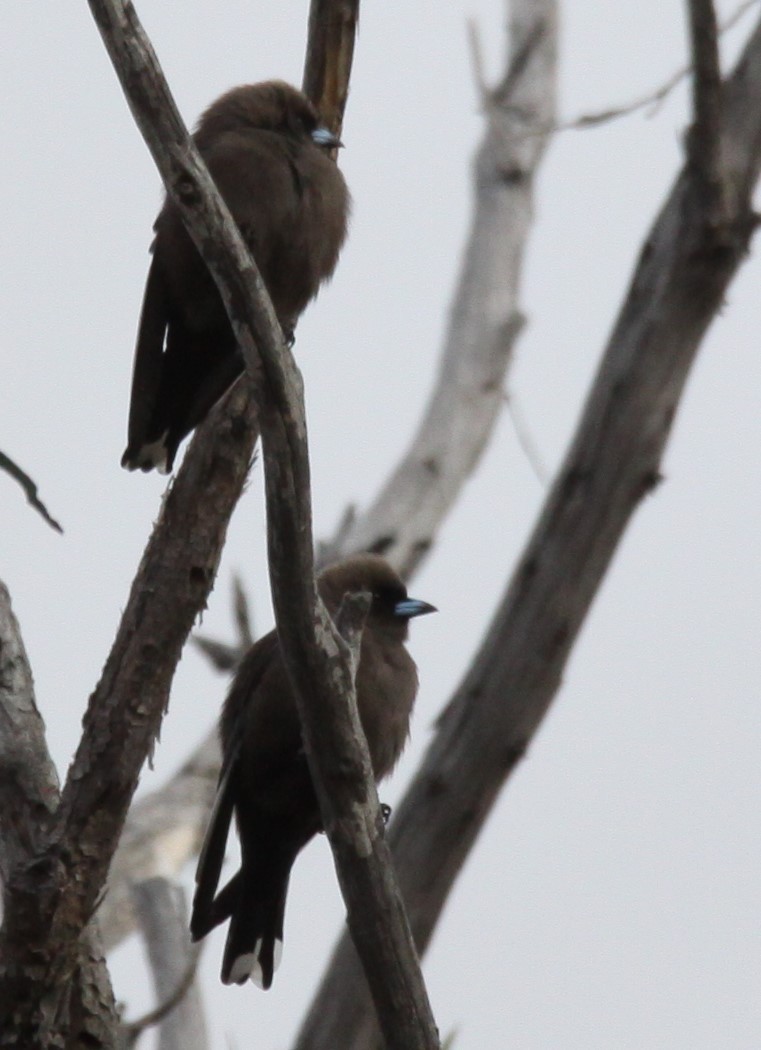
pixel 387 597
pixel 307 122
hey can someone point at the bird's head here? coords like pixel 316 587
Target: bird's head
pixel 271 105
pixel 391 607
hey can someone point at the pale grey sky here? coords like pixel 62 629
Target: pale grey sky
pixel 613 900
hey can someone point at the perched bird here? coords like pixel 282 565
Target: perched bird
pixel 268 156
pixel 265 778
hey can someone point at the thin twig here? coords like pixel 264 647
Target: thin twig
pixel 30 489
pixel 134 1029
pixel 477 60
pixel 653 100
pixel 526 439
pixel 222 655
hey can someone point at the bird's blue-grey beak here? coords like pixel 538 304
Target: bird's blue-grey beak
pixel 325 138
pixel 409 607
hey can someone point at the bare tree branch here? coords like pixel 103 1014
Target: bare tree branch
pixel 704 139
pixel 242 610
pixel 29 872
pixel 614 460
pixel 30 489
pixel 163 918
pixel 224 656
pixel 485 318
pixel 653 99
pixel 28 778
pixel 330 50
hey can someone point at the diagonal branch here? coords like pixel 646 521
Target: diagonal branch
pixel 163 917
pixel 30 489
pixel 678 286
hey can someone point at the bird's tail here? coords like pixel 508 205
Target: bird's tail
pixel 255 938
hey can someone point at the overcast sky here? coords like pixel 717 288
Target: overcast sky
pixel 613 899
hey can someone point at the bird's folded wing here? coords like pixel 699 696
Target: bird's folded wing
pixel 146 372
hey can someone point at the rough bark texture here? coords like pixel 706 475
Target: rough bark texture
pixel 48 974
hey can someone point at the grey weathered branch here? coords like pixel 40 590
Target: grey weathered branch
pixel 485 316
pixel 28 779
pixel 29 872
pixel 678 286
pixel 163 830
pixel 163 917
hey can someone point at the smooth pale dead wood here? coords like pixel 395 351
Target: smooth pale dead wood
pixel 164 829
pixel 679 284
pixel 485 316
pixel 163 918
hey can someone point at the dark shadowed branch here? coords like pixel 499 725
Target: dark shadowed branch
pixel 705 140
pixel 30 489
pixel 333 28
pixel 614 460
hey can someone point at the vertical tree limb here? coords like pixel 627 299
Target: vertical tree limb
pixel 163 918
pixel 315 654
pixel 704 141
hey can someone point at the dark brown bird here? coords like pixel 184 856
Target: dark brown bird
pixel 265 778
pixel 268 155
